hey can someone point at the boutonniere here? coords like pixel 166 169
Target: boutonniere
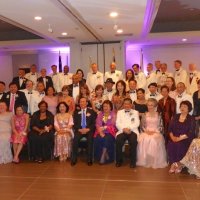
pixel 132 120
pixel 197 79
pixel 79 112
pixel 88 114
pixel 8 96
pixel 16 96
pixel 106 118
pixel 130 113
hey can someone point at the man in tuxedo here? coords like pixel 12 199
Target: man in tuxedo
pixel 180 74
pixel 33 75
pixel 14 98
pixel 20 80
pixel 46 80
pixel 74 87
pixel 2 89
pixel 139 76
pixel 55 78
pixel 84 126
pixel 127 123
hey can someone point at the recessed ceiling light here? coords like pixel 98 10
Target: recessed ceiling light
pixel 64 33
pixel 38 18
pixel 120 31
pixel 113 14
pixel 184 40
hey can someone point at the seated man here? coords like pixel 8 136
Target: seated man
pixel 127 123
pixel 84 126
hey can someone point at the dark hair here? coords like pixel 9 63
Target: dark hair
pixel 54 91
pixel 124 85
pixel 43 102
pixel 109 103
pixel 85 87
pixel 12 83
pixel 198 82
pixel 164 87
pixel 62 102
pixel 80 70
pixel 178 61
pixel 129 70
pixel 141 90
pixel 129 100
pixel 152 84
pixel 98 87
pixel 53 66
pixel 188 104
pixel 132 80
pixel 19 106
pixel 3 83
pixel 136 66
pixel 174 84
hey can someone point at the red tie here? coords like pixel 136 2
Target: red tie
pixel 12 103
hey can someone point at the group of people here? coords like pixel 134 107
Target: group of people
pixel 157 114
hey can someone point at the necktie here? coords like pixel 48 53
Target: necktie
pixel 33 74
pixel 191 77
pixel 12 103
pixel 75 85
pixel 83 120
pixel 132 92
pixel 65 74
pixel 136 74
pixel 112 72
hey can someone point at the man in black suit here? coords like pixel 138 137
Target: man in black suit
pixel 45 79
pixel 20 80
pixel 14 98
pixel 2 89
pixel 74 87
pixel 84 126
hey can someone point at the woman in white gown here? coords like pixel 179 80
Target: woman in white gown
pixel 151 145
pixel 5 134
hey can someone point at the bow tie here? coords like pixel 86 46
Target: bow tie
pixel 94 73
pixel 112 72
pixel 157 71
pixel 33 74
pixel 179 96
pixel 41 93
pixel 30 93
pixel 65 74
pixel 132 92
pixel 177 70
pixel 152 95
pixel 136 74
pixel 127 111
pixel 191 73
pixel 54 74
pixel 163 73
pixel 75 85
pixel 21 78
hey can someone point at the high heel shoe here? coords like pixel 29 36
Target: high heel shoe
pixel 179 168
pixel 172 168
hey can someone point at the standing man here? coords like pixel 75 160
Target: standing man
pixel 94 77
pixel 2 89
pixel 55 78
pixel 109 91
pixel 151 75
pixel 20 80
pixel 65 77
pixel 84 126
pixel 132 89
pixel 116 75
pixel 46 80
pixel 33 75
pixel 180 75
pixel 74 87
pixel 139 76
pixel 127 123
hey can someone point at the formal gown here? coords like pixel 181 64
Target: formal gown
pixel 177 150
pixel 141 108
pixel 63 142
pixel 5 134
pixel 151 148
pixel 52 103
pixel 196 111
pixel 192 158
pixel 20 123
pixel 108 141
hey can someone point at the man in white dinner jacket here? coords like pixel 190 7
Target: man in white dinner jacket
pixel 94 78
pixel 139 76
pixel 33 75
pixel 55 78
pixel 180 75
pixel 127 123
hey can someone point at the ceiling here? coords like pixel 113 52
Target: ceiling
pixel 145 22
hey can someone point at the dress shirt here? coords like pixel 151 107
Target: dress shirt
pixel 181 76
pixel 156 96
pixel 56 82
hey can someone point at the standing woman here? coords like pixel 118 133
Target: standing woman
pixel 20 123
pixel 5 134
pixel 120 95
pixel 81 76
pixel 129 76
pixel 170 83
pixel 104 137
pixel 63 122
pixel 167 108
pixel 181 134
pixel 64 97
pixel 41 136
pixel 51 100
pixel 196 111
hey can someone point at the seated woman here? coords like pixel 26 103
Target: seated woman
pixel 181 133
pixel 191 159
pixel 41 136
pixel 151 145
pixel 64 97
pixel 105 134
pixel 5 133
pixel 20 123
pixel 98 98
pixel 63 122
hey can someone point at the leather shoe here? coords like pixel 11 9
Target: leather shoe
pixel 89 163
pixel 132 165
pixel 73 162
pixel 118 164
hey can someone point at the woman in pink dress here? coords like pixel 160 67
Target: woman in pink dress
pixel 63 122
pixel 151 145
pixel 64 97
pixel 51 100
pixel 19 128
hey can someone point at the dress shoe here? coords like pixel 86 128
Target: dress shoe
pixel 73 162
pixel 118 164
pixel 132 165
pixel 90 163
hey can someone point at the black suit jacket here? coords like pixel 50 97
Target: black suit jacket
pixel 20 99
pixel 71 89
pixel 49 82
pixel 16 81
pixel 90 120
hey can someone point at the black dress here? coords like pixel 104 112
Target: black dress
pixel 196 111
pixel 141 108
pixel 41 146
